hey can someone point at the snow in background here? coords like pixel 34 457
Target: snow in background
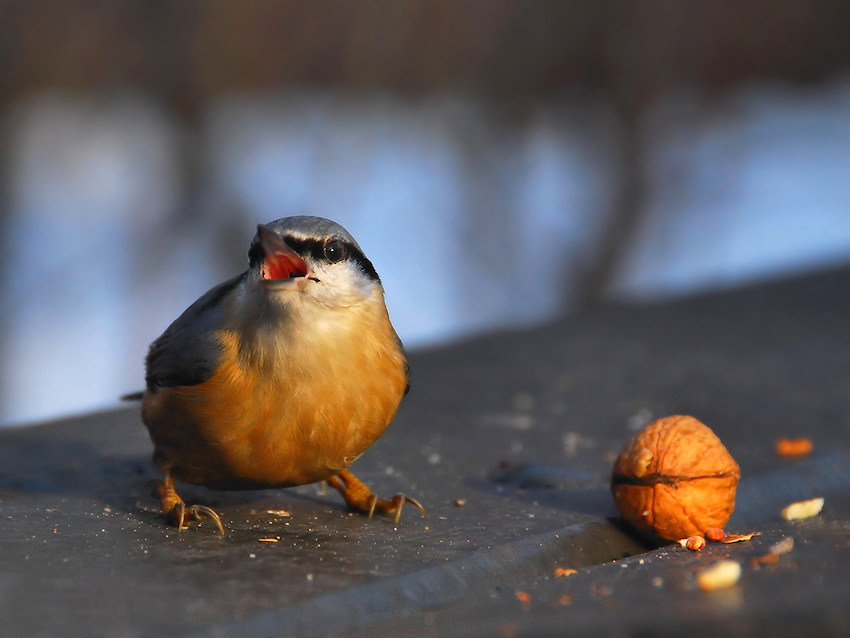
pixel 474 220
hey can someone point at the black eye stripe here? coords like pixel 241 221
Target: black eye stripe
pixel 304 247
pixel 365 265
pixel 316 249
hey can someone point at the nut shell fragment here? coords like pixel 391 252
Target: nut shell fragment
pixel 695 543
pixel 715 534
pixel 676 478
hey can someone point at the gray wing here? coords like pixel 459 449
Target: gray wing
pixel 187 353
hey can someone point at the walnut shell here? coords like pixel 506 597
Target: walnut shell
pixel 676 478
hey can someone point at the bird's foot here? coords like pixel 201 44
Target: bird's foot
pixel 358 496
pixel 176 511
pixel 180 515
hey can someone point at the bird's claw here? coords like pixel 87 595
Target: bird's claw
pixel 394 504
pixel 175 509
pixel 358 496
pixel 180 515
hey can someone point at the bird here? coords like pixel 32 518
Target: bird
pixel 280 376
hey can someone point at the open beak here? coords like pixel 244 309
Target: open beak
pixel 280 262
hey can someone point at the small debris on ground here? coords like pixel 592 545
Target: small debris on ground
pixel 722 574
pixel 717 535
pixel 562 571
pixel 803 509
pixel 694 543
pixel 794 447
pixel 460 502
pixel 782 547
pixel 524 600
pixel 776 550
pixel 737 538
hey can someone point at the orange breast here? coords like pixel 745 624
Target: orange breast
pixel 274 416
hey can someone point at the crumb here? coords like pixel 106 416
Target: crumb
pixel 560 571
pixel 737 538
pixel 782 547
pixel 776 550
pixel 722 574
pixel 524 599
pixel 794 447
pixel 803 509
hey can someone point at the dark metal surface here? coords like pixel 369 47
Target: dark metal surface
pixel 523 427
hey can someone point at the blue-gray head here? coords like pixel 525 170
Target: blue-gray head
pixel 313 256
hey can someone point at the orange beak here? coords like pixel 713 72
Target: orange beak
pixel 280 262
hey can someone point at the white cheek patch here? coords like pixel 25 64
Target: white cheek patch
pixel 342 284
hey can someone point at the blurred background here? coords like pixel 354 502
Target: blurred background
pixel 503 163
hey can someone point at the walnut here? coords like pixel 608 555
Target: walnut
pixel 676 478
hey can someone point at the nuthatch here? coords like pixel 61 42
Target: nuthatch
pixel 278 377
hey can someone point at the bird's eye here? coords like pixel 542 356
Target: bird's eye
pixel 334 251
